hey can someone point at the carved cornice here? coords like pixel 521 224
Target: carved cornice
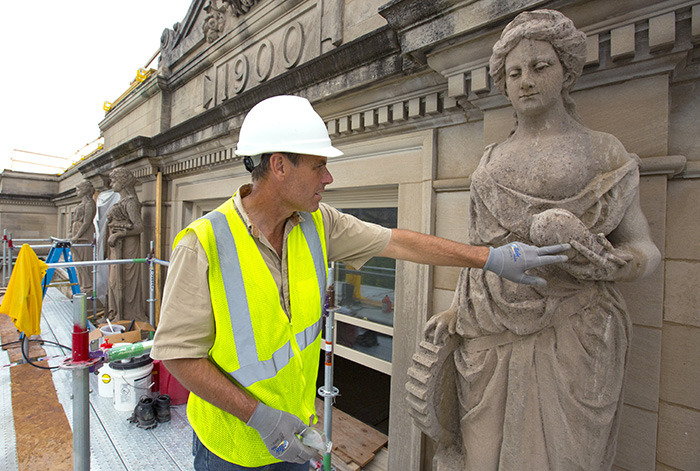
pixel 127 153
pixel 660 38
pixel 206 22
pixel 206 161
pixel 670 166
pixel 379 48
pixel 27 200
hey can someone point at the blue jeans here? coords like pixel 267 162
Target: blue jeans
pixel 205 460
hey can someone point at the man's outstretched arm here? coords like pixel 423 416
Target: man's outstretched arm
pixel 509 261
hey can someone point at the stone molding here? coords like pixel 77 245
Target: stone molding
pixel 27 200
pixel 201 162
pixel 648 41
pixel 672 166
pixel 398 111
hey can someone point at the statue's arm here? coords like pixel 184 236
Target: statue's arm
pixel 133 211
pixel 632 235
pixel 90 211
pixel 627 253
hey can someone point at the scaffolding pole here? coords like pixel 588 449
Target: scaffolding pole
pixel 328 391
pixel 81 386
pixel 4 257
pixel 151 288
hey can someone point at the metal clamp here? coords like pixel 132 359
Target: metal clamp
pixel 324 393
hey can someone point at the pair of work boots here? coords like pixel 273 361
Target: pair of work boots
pixel 148 412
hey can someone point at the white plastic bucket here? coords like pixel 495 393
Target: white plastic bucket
pixel 105 381
pixel 132 380
pixel 113 329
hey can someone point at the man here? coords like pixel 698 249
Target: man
pixel 241 317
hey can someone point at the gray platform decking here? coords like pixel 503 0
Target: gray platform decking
pixel 115 444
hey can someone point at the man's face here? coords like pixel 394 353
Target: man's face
pixel 307 182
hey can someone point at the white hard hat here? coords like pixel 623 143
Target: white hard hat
pixel 284 124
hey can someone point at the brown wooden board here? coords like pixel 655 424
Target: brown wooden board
pixel 43 435
pixel 352 439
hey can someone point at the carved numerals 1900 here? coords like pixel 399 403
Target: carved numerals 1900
pixel 254 65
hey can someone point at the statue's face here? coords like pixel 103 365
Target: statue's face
pixel 534 77
pixel 116 182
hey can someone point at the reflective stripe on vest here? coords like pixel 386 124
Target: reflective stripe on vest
pixel 251 368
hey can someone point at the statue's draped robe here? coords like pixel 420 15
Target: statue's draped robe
pixel 82 254
pixel 126 295
pixel 541 369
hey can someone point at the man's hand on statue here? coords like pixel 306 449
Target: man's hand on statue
pixel 278 430
pixel 605 262
pixel 441 326
pixel 511 261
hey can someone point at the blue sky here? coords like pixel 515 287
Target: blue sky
pixel 63 60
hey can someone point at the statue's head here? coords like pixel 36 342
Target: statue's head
pixel 85 188
pixel 121 177
pixel 551 26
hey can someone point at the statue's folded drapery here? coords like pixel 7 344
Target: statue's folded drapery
pixel 541 368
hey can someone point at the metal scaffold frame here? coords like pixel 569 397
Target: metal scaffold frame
pixel 82 361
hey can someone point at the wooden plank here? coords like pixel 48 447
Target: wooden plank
pixel 352 438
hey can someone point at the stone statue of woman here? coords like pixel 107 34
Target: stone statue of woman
pixel 82 231
pixel 538 371
pixel 126 300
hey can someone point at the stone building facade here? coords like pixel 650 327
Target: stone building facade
pixel 404 88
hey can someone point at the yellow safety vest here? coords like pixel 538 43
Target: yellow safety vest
pixel 272 358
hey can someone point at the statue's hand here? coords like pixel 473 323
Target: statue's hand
pixel 603 262
pixel 440 327
pixel 113 239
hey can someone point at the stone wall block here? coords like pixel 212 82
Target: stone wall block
pixel 683 220
pixel 592 49
pixel 414 108
pixel 695 23
pixel 442 300
pixel 356 123
pixel 680 366
pixel 622 42
pixel 636 441
pixel 451 222
pixel 662 31
pixel 679 440
pixel 383 115
pixel 370 118
pixel 332 126
pixel 344 125
pixel 682 292
pixel 432 104
pixel 456 85
pixel 398 112
pixel 459 151
pixel 644 369
pixel 479 80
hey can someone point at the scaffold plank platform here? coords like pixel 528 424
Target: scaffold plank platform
pixel 28 443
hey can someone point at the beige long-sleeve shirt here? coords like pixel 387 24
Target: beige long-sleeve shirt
pixel 186 328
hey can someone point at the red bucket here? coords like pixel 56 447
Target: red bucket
pixel 167 384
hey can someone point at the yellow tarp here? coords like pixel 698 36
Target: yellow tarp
pixel 22 301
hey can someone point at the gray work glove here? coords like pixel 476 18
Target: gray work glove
pixel 278 430
pixel 512 260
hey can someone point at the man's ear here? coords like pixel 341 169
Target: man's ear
pixel 278 165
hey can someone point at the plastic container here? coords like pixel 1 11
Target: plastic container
pixel 167 384
pixel 132 380
pixel 113 329
pixel 105 381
